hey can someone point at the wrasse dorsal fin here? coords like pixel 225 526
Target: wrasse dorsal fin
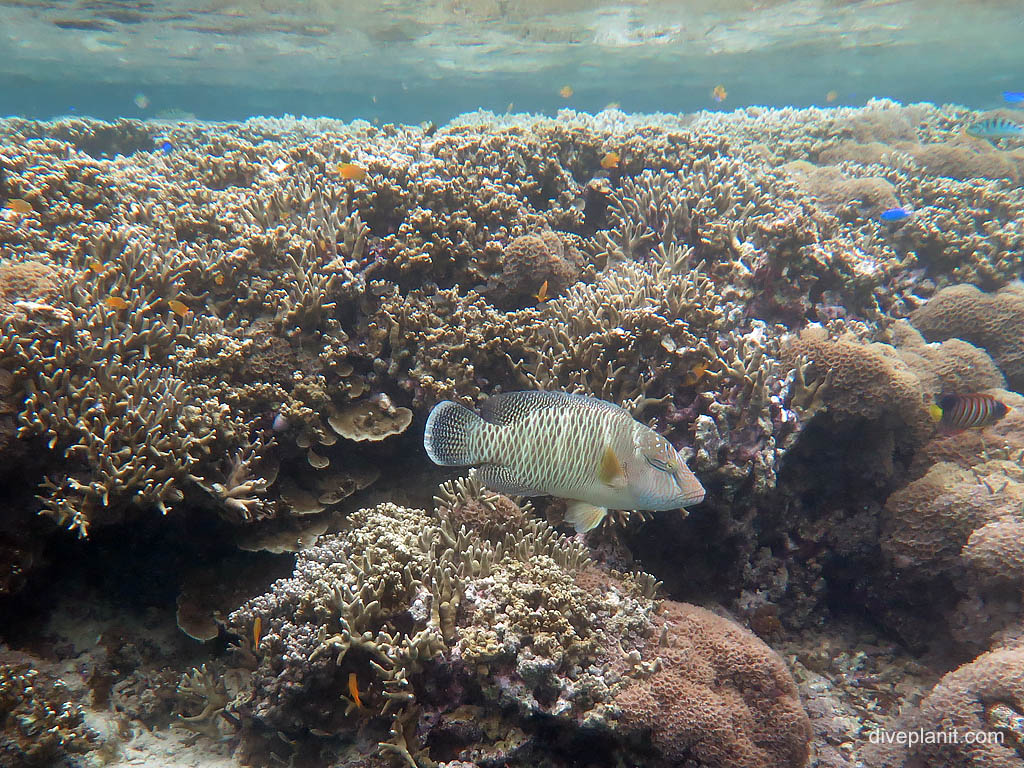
pixel 510 407
pixel 610 471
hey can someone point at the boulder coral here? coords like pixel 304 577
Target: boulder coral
pixel 988 320
pixel 720 698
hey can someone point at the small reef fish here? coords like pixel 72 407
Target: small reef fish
pixel 542 293
pixel 831 96
pixel 141 100
pixel 971 411
pixel 166 147
pixel 115 302
pixel 610 161
pixel 1013 97
pixel 591 452
pixel 898 213
pixel 95 266
pixel 719 94
pixel 353 689
pixel 566 91
pixel 995 128
pixel 257 632
pixel 351 171
pixel 695 374
pixel 18 205
pixel 179 308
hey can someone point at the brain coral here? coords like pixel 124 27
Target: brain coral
pixel 721 698
pixel 929 521
pixel 953 365
pixel 984 696
pixel 989 320
pixel 863 388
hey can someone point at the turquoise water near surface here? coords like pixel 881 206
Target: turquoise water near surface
pixel 410 61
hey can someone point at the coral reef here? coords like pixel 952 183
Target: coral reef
pixel 39 726
pixel 984 697
pixel 412 619
pixel 234 342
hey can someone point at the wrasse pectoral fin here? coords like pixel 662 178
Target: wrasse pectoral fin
pixel 611 472
pixel 583 516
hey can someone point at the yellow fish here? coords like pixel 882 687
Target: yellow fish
pixel 718 93
pixel 351 171
pixel 257 631
pixel 179 308
pixel 18 205
pixel 566 91
pixel 116 302
pixel 695 374
pixel 831 96
pixel 610 161
pixel 542 293
pixel 588 451
pixel 95 266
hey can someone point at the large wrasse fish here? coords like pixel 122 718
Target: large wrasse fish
pixel 571 446
pixel 973 411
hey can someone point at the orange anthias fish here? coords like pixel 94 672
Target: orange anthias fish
pixel 695 374
pixel 353 689
pixel 831 96
pixel 18 205
pixel 351 171
pixel 566 91
pixel 718 93
pixel 95 266
pixel 257 632
pixel 115 302
pixel 610 161
pixel 179 308
pixel 542 293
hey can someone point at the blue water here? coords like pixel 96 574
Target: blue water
pixel 408 62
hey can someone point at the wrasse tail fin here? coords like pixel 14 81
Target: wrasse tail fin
pixel 446 436
pixel 583 516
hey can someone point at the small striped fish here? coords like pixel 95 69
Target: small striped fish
pixel 995 128
pixel 575 447
pixel 967 411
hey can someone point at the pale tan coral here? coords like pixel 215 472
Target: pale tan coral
pixel 968 699
pixel 950 366
pixel 991 321
pixel 854 380
pixel 930 520
pixel 973 160
pixel 373 419
pixel 720 696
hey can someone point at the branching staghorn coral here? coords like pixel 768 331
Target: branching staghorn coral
pixel 101 387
